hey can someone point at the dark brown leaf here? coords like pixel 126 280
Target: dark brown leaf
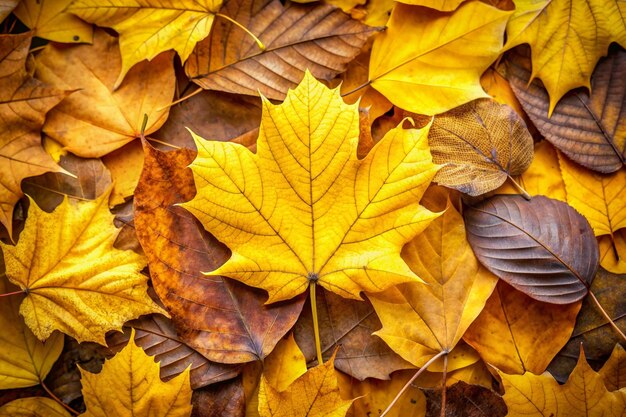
pixel 317 37
pixel 224 320
pixel 542 247
pixel 465 400
pixel 591 130
pixel 225 399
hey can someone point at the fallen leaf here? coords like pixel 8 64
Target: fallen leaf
pixel 500 90
pixel 584 394
pixel 613 252
pixel 149 27
pixel 222 319
pixel 270 208
pixel 75 281
pixel 49 20
pixel 157 336
pixel 523 242
pixel 441 5
pixel 33 407
pixel 317 37
pixel 346 326
pixel 224 399
pixel 24 360
pixel 125 165
pixel 589 129
pixel 465 400
pixel 435 315
pixel 285 364
pixel 566 38
pixel 24 103
pixel 96 120
pixel 316 393
pixel 420 62
pixel 510 332
pixel 129 384
pixel 614 369
pixel 480 144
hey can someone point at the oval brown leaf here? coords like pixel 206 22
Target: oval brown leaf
pixel 480 144
pixel 296 36
pixel 542 247
pixel 591 130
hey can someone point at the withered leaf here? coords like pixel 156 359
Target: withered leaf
pixel 465 400
pixel 589 129
pixel 317 37
pixel 480 144
pixel 225 399
pixel 224 320
pixel 542 247
pixel 614 370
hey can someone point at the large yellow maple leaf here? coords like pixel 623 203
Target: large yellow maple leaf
pixel 567 38
pixel 304 208
pixel 74 279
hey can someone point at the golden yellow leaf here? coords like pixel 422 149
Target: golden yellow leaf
pixel 510 333
pixel 584 394
pixel 442 5
pixel 614 369
pixel 50 21
pixel 613 252
pixel 428 61
pixel 567 38
pixel 75 280
pixel 314 394
pixel 304 208
pixel 95 120
pixel 125 165
pixel 500 90
pixel 435 315
pixel 285 364
pixel 149 27
pixel 24 360
pixel 33 407
pixel 129 384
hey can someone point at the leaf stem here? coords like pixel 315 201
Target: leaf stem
pixel 413 378
pixel 57 399
pixel 12 293
pixel 316 326
pixel 180 100
pixel 606 316
pixel 245 29
pixel 519 188
pixel 444 388
pixel 354 90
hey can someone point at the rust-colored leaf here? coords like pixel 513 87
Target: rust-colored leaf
pixel 317 37
pixel 224 320
pixel 225 399
pixel 542 247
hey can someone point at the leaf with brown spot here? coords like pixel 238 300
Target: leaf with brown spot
pixel 222 319
pixel 317 37
pixel 50 20
pixel 465 400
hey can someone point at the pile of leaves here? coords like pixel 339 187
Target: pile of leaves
pixel 330 208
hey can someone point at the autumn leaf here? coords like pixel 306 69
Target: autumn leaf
pixel 318 37
pixel 129 384
pixel 442 5
pixel 75 281
pixel 613 252
pixel 24 103
pixel 6 7
pixel 301 208
pixel 612 372
pixel 509 333
pixel 222 319
pixel 567 38
pixel 421 63
pixel 589 129
pixel 125 165
pixel 49 20
pixel 521 241
pixel 480 145
pixel 97 120
pixel 33 407
pixel 24 360
pixel 465 399
pixel 584 393
pixel 149 27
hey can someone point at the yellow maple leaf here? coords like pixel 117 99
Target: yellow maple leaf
pixel 129 384
pixel 428 61
pixel 74 279
pixel 49 20
pixel 567 38
pixel 304 208
pixel 149 27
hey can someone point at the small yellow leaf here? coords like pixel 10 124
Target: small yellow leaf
pixel 129 384
pixel 428 61
pixel 304 208
pixel 285 364
pixel 75 280
pixel 51 21
pixel 149 27
pixel 314 394
pixel 24 360
pixel 33 407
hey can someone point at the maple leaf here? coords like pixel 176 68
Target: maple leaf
pixel 24 102
pixel 49 20
pixel 75 280
pixel 129 384
pixel 421 64
pixel 567 37
pixel 304 208
pixel 33 407
pixel 149 27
